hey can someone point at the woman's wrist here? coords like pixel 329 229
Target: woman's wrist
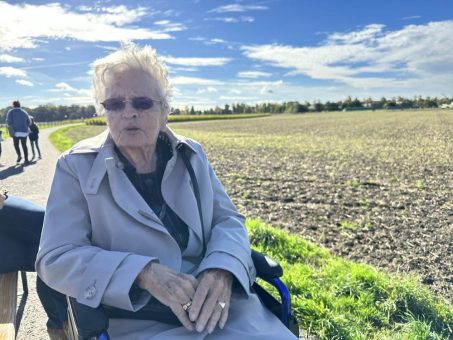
pixel 141 279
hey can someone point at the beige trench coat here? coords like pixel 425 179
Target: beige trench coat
pixel 99 234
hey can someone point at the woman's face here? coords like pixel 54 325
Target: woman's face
pixel 133 128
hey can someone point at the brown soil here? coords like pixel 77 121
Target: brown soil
pixel 396 214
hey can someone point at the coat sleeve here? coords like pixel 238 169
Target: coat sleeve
pixel 9 118
pixel 67 260
pixel 228 247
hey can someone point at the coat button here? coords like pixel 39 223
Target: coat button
pixel 90 292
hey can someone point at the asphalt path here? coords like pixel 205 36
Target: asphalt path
pixel 32 182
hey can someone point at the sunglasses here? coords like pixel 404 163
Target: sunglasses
pixel 138 103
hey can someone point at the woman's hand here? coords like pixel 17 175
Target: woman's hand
pixel 212 299
pixel 172 289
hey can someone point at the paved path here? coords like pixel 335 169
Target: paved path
pixel 32 182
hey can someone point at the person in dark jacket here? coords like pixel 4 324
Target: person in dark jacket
pixel 18 122
pixel 20 230
pixel 34 136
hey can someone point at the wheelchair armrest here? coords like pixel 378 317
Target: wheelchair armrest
pixel 266 268
pixel 88 322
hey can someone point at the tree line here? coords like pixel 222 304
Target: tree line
pixel 51 113
pixel 347 104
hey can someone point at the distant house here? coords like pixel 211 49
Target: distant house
pixel 375 104
pixel 447 106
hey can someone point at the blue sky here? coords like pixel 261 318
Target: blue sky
pixel 230 51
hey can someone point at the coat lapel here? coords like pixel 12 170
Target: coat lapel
pixel 178 192
pixel 123 192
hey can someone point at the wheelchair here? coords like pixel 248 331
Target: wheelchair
pixel 86 323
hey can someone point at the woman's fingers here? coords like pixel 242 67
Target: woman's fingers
pixel 182 316
pixel 224 316
pixel 199 299
pixel 217 316
pixel 207 311
pixel 211 299
pixel 190 278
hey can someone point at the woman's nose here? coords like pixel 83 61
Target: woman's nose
pixel 129 110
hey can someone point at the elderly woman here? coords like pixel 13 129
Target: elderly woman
pixel 123 227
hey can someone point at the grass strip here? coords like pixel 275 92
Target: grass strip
pixel 188 118
pixel 334 298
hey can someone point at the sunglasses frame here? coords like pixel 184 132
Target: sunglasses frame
pixel 131 101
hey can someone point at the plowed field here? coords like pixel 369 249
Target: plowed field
pixel 375 187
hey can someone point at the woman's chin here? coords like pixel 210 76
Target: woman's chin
pixel 137 141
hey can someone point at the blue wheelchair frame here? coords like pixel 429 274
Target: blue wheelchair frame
pixel 92 323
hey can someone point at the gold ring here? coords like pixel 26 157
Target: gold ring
pixel 186 306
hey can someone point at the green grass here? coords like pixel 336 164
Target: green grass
pixel 66 137
pixel 338 299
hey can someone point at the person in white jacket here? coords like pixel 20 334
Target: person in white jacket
pixel 122 226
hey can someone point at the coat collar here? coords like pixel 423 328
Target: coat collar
pixel 103 146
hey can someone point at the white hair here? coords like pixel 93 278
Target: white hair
pixel 131 56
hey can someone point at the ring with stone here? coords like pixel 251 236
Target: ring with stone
pixel 222 304
pixel 187 305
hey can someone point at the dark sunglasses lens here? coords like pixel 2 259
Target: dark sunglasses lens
pixel 114 104
pixel 142 103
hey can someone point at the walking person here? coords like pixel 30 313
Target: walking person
pixel 33 136
pixel 18 122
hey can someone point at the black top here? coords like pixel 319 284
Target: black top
pixel 149 187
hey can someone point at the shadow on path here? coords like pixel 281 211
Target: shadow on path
pixel 11 171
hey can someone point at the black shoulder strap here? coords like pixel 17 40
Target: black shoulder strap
pixel 181 149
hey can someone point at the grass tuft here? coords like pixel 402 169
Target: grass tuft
pixel 334 298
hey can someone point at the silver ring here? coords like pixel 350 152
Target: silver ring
pixel 187 305
pixel 222 304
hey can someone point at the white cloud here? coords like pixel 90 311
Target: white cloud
pixel 227 20
pixel 193 81
pixel 6 58
pixel 69 91
pixel 368 33
pixel 24 82
pixel 371 57
pixel 208 89
pixel 412 17
pixel 184 69
pixel 215 41
pixel 9 71
pixel 231 20
pixel 237 8
pixel 32 24
pixel 168 26
pixel 253 74
pixel 237 98
pixel 196 61
pixel 64 87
